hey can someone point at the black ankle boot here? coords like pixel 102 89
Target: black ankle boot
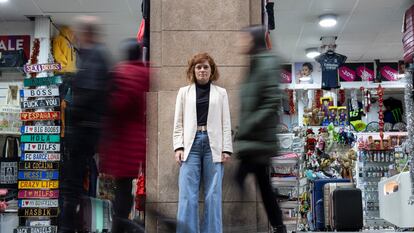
pixel 280 229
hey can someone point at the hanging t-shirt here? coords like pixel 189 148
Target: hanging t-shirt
pixel 394 110
pixel 330 62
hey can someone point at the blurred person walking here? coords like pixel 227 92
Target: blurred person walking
pixel 202 143
pixel 123 146
pixel 256 136
pixel 89 94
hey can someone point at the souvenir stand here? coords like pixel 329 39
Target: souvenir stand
pixel 352 130
pixel 38 177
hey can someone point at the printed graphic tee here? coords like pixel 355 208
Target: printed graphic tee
pixel 330 63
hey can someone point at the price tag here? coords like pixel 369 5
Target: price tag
pixel 38 212
pixel 37 68
pixel 39 116
pixel 40 157
pixel 54 147
pixel 38 194
pixel 46 229
pixel 45 103
pixel 49 203
pixel 40 138
pixel 33 82
pixel 40 92
pixel 38 175
pixel 38 165
pixel 38 184
pixel 40 129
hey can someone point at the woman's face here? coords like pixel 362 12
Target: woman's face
pixel 202 72
pixel 306 71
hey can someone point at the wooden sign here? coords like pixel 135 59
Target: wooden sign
pixel 38 165
pixel 54 147
pixel 37 68
pixel 38 184
pixel 40 157
pixel 40 130
pixel 38 212
pixel 44 229
pixel 40 138
pixel 34 82
pixel 45 103
pixel 40 92
pixel 38 194
pixel 38 175
pixel 39 116
pixel 49 203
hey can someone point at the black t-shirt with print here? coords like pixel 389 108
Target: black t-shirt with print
pixel 330 63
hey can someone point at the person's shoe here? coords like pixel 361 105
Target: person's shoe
pixel 280 229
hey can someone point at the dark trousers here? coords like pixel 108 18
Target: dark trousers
pixel 259 170
pixel 80 147
pixel 122 204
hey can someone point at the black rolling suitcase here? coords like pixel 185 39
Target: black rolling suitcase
pixel 347 209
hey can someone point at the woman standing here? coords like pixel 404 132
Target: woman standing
pixel 202 143
pixel 256 138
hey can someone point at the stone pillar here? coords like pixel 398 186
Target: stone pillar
pixel 179 29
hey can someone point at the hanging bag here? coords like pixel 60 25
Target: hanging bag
pixel 9 163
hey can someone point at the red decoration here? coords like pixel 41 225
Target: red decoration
pixel 35 54
pixel 291 102
pixel 380 92
pixel 342 97
pixel 318 96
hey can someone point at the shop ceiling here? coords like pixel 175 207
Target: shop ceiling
pixel 366 29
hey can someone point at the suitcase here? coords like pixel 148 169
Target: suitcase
pixel 347 209
pixel 96 215
pixel 317 201
pixel 327 201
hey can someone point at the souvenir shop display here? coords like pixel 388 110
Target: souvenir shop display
pixel 38 176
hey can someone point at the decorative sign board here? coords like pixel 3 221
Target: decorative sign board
pixel 38 212
pixel 38 175
pixel 37 68
pixel 34 82
pixel 38 165
pixel 38 194
pixel 40 130
pixel 45 103
pixel 39 116
pixel 40 138
pixel 47 229
pixel 49 203
pixel 54 147
pixel 40 157
pixel 40 92
pixel 38 184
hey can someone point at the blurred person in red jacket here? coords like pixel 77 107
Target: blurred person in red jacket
pixel 123 147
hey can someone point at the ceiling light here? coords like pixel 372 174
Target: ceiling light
pixel 327 21
pixel 312 53
pixel 3 1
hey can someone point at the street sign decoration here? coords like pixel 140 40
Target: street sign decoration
pixel 39 223
pixel 38 165
pixel 38 212
pixel 48 203
pixel 38 175
pixel 39 92
pixel 40 138
pixel 53 147
pixel 37 68
pixel 40 130
pixel 40 157
pixel 38 194
pixel 34 82
pixel 45 229
pixel 45 103
pixel 38 184
pixel 39 116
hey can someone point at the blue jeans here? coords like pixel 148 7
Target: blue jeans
pixel 199 162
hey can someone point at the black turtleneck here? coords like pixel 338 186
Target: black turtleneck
pixel 203 99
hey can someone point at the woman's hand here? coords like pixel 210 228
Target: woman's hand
pixel 179 156
pixel 225 157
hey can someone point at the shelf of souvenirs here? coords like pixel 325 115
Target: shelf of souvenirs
pixel 348 85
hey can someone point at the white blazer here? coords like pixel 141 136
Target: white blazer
pixel 218 121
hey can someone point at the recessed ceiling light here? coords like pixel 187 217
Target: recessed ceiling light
pixel 327 21
pixel 3 1
pixel 312 53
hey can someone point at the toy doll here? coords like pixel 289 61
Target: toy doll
pixel 342 118
pixel 332 115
